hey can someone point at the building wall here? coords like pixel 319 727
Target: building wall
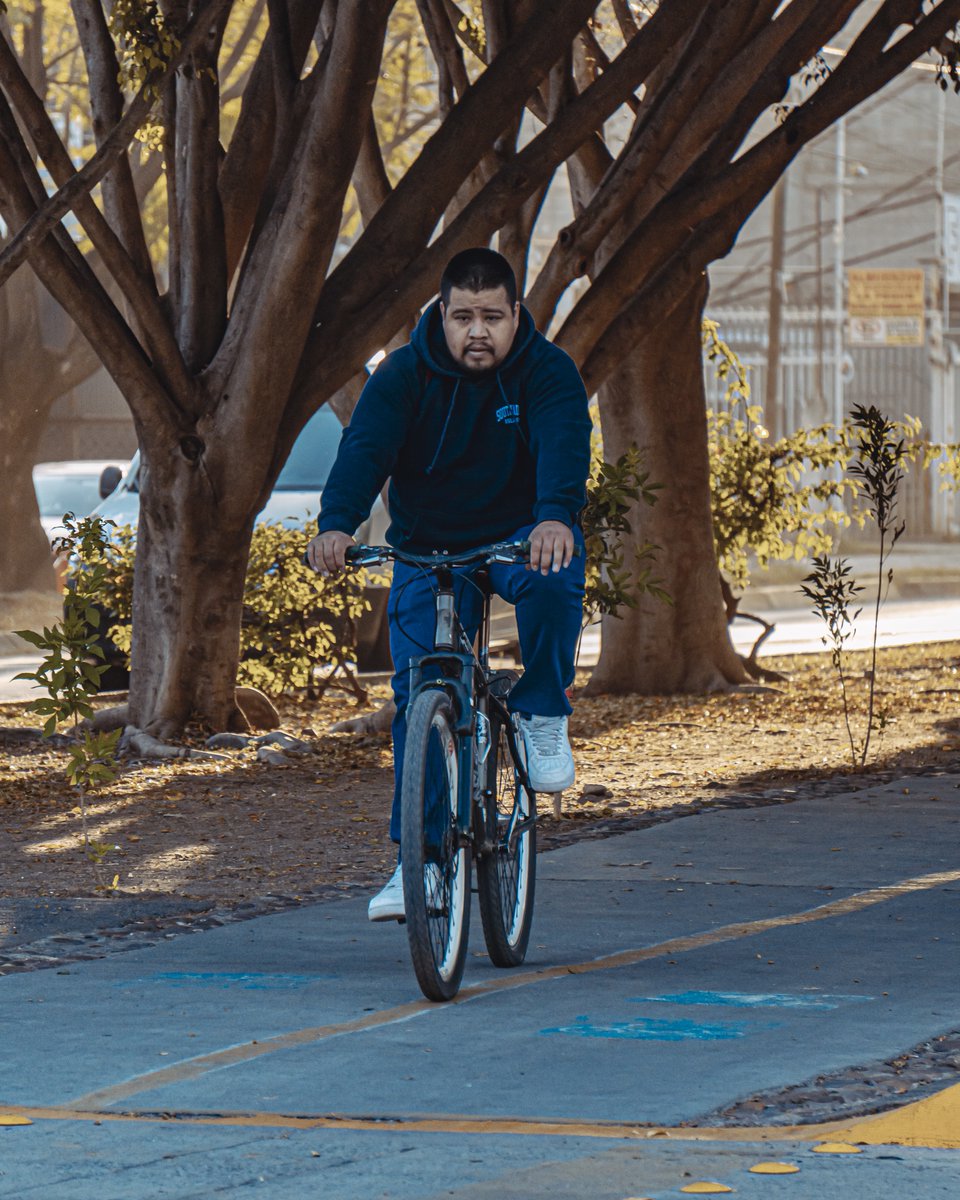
pixel 92 421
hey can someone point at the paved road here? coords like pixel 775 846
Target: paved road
pixel 673 971
pixel 797 632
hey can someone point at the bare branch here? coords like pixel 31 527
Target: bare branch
pixel 139 291
pixel 200 295
pixel 242 41
pixel 709 214
pixel 370 175
pixel 337 345
pixel 625 19
pixel 252 150
pixel 392 241
pixel 285 272
pixel 62 201
pixel 69 279
pixel 452 74
pixel 285 70
pixel 106 102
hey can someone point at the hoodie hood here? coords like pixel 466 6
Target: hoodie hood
pixel 472 456
pixel 431 345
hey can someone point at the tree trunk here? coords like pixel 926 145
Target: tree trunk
pixel 42 355
pixel 193 541
pixel 657 402
pixel 26 563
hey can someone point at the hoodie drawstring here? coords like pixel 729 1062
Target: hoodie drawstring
pixel 446 423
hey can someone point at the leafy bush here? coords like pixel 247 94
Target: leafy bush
pixel 69 672
pixel 878 466
pixel 612 491
pixel 782 499
pixel 294 621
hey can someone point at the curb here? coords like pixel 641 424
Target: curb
pixel 12 646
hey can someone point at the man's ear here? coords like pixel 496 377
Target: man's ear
pixel 443 311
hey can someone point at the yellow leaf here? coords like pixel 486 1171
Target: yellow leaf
pixel 836 1148
pixel 13 1119
pixel 706 1189
pixel 774 1168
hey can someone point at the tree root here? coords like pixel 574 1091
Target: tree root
pixel 107 719
pixel 138 744
pixel 764 674
pixel 375 722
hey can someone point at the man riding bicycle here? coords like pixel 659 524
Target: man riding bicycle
pixel 482 427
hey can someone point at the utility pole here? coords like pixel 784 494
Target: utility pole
pixel 775 418
pixel 840 171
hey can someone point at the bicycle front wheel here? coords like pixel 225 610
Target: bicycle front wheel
pixel 435 858
pixel 507 870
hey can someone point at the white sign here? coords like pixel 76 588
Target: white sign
pixel 951 238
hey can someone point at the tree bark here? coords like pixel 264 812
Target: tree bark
pixel 657 402
pixel 193 540
pixel 33 374
pixel 25 560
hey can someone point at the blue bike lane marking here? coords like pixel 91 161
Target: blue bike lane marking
pixel 817 1002
pixel 247 980
pixel 683 1029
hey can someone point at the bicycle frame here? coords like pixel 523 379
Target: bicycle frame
pixel 454 666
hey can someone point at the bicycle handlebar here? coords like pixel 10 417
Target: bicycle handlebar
pixel 502 552
pixel 497 552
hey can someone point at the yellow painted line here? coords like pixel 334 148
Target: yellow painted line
pixel 434 1123
pixel 193 1068
pixel 933 1121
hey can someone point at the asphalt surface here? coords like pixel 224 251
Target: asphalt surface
pixel 673 972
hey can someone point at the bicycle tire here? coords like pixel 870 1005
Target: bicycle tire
pixel 507 870
pixel 435 861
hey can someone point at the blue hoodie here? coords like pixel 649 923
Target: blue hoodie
pixel 472 456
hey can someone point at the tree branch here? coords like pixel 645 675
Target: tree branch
pixel 49 214
pixel 285 272
pixel 62 270
pixel 140 292
pixel 699 223
pixel 200 309
pixel 401 229
pixel 106 102
pixel 336 347
pixel 247 165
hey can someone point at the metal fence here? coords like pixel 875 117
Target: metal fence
pixel 821 378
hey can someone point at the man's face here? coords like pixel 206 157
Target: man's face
pixel 479 326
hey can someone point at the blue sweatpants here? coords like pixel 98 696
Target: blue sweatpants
pixel 549 610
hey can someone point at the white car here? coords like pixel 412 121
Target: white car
pixel 77 487
pixel 295 502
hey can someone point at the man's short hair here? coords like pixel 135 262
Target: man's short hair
pixel 478 270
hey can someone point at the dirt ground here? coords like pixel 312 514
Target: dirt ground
pixel 237 829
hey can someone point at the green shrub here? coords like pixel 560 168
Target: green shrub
pixel 612 491
pixel 294 621
pixel 69 673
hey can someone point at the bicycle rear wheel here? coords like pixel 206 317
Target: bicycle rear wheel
pixel 507 870
pixel 435 860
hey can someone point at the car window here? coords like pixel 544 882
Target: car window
pixel 59 494
pixel 313 454
pixel 310 461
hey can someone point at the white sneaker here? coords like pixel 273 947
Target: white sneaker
pixel 387 905
pixel 549 757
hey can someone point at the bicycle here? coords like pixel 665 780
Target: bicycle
pixel 465 792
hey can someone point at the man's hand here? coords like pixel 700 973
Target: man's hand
pixel 327 553
pixel 551 547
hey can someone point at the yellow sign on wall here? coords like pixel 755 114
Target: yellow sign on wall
pixel 885 306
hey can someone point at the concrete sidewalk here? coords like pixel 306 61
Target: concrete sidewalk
pixel 673 972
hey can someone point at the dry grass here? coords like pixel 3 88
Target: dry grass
pixel 237 829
